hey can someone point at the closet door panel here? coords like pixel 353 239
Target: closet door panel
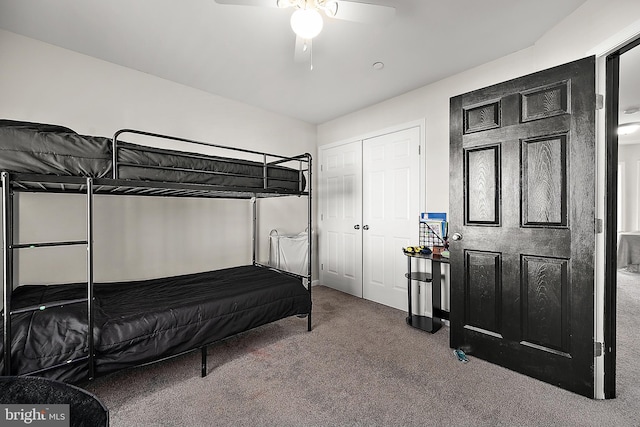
pixel 390 213
pixel 340 234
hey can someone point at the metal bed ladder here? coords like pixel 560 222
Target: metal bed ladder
pixel 9 247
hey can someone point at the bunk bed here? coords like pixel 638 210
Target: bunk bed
pixel 77 331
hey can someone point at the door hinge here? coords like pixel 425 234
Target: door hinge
pixel 419 150
pixel 321 217
pixel 320 168
pixel 321 266
pixel 599 101
pixel 598 349
pixel 599 226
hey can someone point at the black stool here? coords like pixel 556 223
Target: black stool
pixel 85 408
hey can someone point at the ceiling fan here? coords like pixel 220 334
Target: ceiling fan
pixel 306 20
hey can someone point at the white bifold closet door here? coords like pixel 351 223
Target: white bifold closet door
pixel 340 239
pixel 369 211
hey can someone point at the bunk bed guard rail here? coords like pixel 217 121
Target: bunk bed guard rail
pixel 145 157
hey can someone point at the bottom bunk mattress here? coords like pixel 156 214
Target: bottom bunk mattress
pixel 143 321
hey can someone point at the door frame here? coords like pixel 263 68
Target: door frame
pixel 607 74
pixel 420 123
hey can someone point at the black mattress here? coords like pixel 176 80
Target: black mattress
pixel 142 321
pixel 56 150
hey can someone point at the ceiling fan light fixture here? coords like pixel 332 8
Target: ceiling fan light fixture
pixel 306 23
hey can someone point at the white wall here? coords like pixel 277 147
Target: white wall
pixel 138 237
pixel 571 39
pixel 629 162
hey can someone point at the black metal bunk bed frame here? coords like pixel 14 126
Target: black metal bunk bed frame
pixel 36 183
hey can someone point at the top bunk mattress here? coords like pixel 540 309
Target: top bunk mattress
pixel 45 149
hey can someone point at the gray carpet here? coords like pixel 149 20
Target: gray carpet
pixel 360 366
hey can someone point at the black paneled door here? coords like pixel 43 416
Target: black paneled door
pixel 522 165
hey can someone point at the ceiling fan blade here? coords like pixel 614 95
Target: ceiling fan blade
pixel 363 12
pixel 302 50
pixel 263 3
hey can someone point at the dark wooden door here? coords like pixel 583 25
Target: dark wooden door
pixel 522 184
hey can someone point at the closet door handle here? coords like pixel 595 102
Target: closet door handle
pixel 357 227
pixel 366 227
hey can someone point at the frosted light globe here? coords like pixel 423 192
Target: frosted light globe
pixel 306 23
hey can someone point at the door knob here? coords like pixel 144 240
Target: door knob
pixel 357 227
pixel 366 227
pixel 456 236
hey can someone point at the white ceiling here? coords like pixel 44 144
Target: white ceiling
pixel 246 53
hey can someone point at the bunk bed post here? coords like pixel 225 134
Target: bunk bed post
pixel 254 230
pixel 90 301
pixel 203 350
pixel 114 156
pixel 265 184
pixel 7 241
pixel 309 236
pixel 254 238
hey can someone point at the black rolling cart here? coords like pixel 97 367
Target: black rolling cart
pixel 434 323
